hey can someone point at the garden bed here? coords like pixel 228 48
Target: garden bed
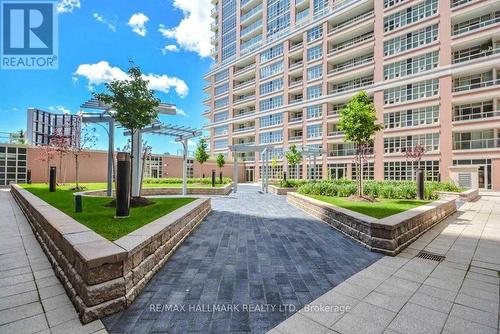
pixel 389 235
pixel 101 276
pixel 160 190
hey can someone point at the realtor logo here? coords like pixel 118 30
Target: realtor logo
pixel 29 35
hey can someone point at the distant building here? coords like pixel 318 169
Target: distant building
pixel 42 125
pixel 13 162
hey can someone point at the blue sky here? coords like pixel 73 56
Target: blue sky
pixel 168 39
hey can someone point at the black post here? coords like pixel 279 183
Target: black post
pixel 28 176
pixel 220 177
pixel 420 184
pixel 52 179
pixel 213 178
pixel 78 203
pixel 123 185
pixel 284 176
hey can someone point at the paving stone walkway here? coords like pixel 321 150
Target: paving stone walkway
pixel 407 294
pixel 32 300
pixel 253 251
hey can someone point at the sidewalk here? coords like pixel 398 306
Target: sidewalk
pixel 408 294
pixel 32 300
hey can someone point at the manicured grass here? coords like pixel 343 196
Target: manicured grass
pixel 98 217
pixel 380 209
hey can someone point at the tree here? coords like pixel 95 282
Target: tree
pixel 415 155
pixel 201 155
pixel 135 105
pixel 274 165
pixel 45 155
pixel 358 121
pixel 221 161
pixel 294 158
pixel 61 145
pixel 83 140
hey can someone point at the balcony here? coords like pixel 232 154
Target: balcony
pixel 296 64
pixel 295 47
pixel 253 12
pixel 476 116
pixel 475 85
pixel 244 112
pixel 473 54
pixel 351 64
pixel 243 129
pixel 295 99
pixel 475 24
pixel 214 12
pixel 295 83
pixel 477 144
pixel 243 98
pixel 351 21
pixel 251 44
pixel 456 3
pixel 246 68
pixel 350 42
pixel 295 119
pixel 342 153
pixel 244 4
pixel 351 84
pixel 254 27
pixel 295 138
pixel 335 133
pixel 246 83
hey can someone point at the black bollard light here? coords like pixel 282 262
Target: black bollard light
pixel 420 184
pixel 52 179
pixel 213 178
pixel 123 185
pixel 28 176
pixel 78 203
pixel 284 176
pixel 220 177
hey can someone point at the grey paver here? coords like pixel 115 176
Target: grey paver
pixel 478 316
pixel 462 326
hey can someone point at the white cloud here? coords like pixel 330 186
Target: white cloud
pixel 181 112
pixel 67 6
pixel 170 48
pixel 193 32
pixel 103 72
pixel 99 18
pixel 138 23
pixel 59 109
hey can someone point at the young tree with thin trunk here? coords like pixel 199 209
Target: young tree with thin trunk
pixel 358 121
pixel 135 105
pixel 45 155
pixel 61 144
pixel 221 161
pixel 414 154
pixel 294 158
pixel 83 140
pixel 201 155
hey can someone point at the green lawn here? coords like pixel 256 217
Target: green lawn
pixel 98 217
pixel 102 185
pixel 380 209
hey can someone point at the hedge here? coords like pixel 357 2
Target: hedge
pixel 176 180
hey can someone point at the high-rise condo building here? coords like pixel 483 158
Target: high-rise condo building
pixel 285 68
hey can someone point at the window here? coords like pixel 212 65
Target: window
pixel 221 75
pixel 315 173
pixel 411 117
pixel 222 89
pixel 271 69
pixel 271 53
pixel 278 16
pixel 315 33
pixel 319 6
pixel 391 3
pixel 271 137
pixel 271 86
pixel 400 144
pixel 220 130
pixel 403 170
pixel 412 65
pixel 411 40
pixel 228 41
pixel 271 103
pixel 313 92
pixel 314 72
pixel 315 52
pixel 221 116
pixel 368 171
pixel 471 111
pixel 221 102
pixel 271 120
pixel 314 131
pixel 411 92
pixel 219 144
pixel 314 111
pixel 410 15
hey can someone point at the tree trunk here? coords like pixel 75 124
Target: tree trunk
pixel 361 192
pixel 76 172
pixel 131 160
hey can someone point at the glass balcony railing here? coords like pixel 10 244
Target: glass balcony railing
pixel 476 55
pixel 244 83
pixel 244 98
pixel 295 119
pixel 251 13
pixel 476 144
pixel 350 64
pixel 291 138
pixel 247 128
pixel 475 85
pixel 476 116
pixel 351 85
pixel 475 25
pixel 456 3
pixel 351 42
pixel 350 21
pixel 254 26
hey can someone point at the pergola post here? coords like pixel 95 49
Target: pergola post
pixel 111 150
pixel 314 167
pixel 184 167
pixel 136 163
pixel 235 171
pixel 263 176
pixel 267 171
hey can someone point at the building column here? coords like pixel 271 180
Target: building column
pixel 136 163
pixel 378 97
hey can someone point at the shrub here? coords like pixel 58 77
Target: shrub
pixel 382 189
pixel 176 180
pixel 291 183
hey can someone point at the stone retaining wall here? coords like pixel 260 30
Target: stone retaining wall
pixel 280 191
pixel 465 196
pixel 102 277
pixel 389 235
pixel 171 191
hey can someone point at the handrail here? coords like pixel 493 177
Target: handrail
pixel 358 85
pixel 250 13
pixel 472 86
pixel 350 21
pixel 352 41
pixel 481 115
pixel 475 144
pixel 351 64
pixel 481 54
pixel 474 26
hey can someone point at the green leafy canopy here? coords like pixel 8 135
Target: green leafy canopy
pixel 358 120
pixel 220 160
pixel 201 155
pixel 293 156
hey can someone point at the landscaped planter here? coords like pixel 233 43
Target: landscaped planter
pixel 100 276
pixel 388 235
pixel 280 191
pixel 465 196
pixel 171 191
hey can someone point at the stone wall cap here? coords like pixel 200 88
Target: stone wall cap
pixel 97 253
